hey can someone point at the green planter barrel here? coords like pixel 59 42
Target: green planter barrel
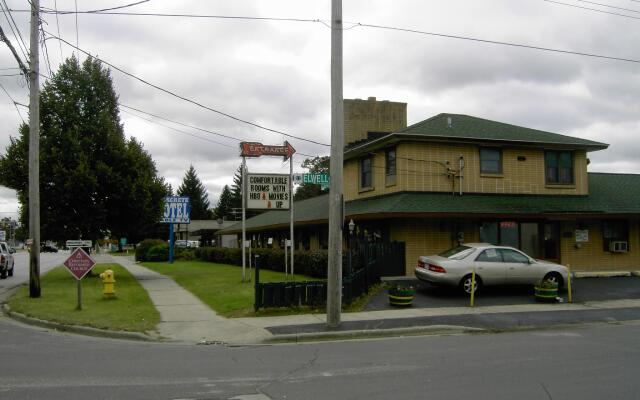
pixel 546 294
pixel 400 296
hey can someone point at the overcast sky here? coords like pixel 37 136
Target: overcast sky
pixel 277 73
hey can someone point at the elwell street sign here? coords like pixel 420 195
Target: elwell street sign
pixel 79 263
pixel 317 179
pixel 268 191
pixel 255 149
pixel 78 243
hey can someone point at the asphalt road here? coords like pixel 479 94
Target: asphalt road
pixel 592 362
pixel 21 268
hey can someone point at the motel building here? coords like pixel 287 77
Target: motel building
pixel 454 178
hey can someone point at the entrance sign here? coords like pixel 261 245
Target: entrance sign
pixel 176 210
pixel 79 263
pixel 268 191
pixel 255 149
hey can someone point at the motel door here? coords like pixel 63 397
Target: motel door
pixel 537 239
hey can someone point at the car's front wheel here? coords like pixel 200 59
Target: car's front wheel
pixel 466 284
pixel 11 270
pixel 554 277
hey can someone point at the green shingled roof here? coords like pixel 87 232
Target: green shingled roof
pixel 608 194
pixel 459 127
pixel 467 127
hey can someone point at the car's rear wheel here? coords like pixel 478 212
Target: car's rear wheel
pixel 466 284
pixel 554 277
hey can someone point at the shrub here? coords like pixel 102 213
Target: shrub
pixel 312 263
pixel 159 252
pixel 143 248
pixel 185 255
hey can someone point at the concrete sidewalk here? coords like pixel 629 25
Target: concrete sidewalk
pixel 184 318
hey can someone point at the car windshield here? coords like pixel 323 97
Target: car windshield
pixel 457 253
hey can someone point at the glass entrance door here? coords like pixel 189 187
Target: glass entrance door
pixel 530 239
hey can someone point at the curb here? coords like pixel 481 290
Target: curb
pixel 83 330
pixel 370 333
pixel 601 274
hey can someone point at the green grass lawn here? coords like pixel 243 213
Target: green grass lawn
pixel 131 310
pixel 220 286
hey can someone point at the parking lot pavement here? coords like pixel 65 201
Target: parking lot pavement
pixel 584 289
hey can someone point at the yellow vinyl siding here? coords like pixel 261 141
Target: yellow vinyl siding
pixel 433 167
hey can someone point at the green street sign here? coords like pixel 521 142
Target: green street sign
pixel 316 179
pixel 123 241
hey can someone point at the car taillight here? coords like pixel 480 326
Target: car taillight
pixel 420 264
pixel 436 268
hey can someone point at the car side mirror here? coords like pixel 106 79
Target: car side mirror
pixel 12 250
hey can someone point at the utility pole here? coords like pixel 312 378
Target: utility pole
pixel 34 153
pixel 334 284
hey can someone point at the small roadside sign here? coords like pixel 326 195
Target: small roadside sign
pixel 79 263
pixel 123 241
pixel 79 243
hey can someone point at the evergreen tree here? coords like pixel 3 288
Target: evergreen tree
pixel 236 189
pixel 316 165
pixel 92 180
pixel 223 208
pixel 195 190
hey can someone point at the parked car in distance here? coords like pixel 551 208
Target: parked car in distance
pixel 494 265
pixel 6 260
pixel 49 248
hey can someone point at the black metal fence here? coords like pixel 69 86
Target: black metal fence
pixel 368 263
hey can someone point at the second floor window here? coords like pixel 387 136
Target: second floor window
pixel 559 167
pixel 490 160
pixel 366 173
pixel 390 166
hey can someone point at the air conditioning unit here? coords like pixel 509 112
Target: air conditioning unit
pixel 618 247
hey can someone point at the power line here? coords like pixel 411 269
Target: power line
pixel 186 98
pixel 77 41
pixel 15 103
pixel 193 127
pixel 607 5
pixel 16 32
pixel 357 24
pixel 526 46
pixel 23 68
pixel 179 130
pixel 55 5
pixel 591 9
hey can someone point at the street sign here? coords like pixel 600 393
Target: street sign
pixel 78 243
pixel 255 149
pixel 268 191
pixel 79 263
pixel 176 210
pixel 316 179
pixel 123 241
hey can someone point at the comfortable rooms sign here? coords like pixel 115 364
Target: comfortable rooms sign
pixel 268 191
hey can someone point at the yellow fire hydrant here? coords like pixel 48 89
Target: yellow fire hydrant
pixel 108 280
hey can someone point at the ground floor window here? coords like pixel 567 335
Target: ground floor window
pixel 614 231
pixel 537 239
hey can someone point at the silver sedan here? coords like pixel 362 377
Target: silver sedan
pixel 494 265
